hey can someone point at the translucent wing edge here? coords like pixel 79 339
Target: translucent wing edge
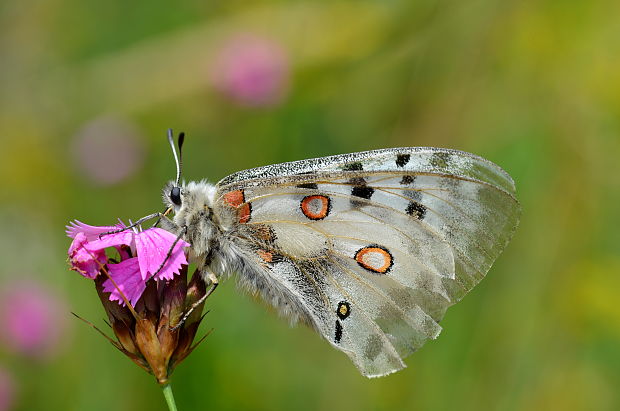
pixel 475 166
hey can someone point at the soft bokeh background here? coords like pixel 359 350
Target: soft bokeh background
pixel 88 89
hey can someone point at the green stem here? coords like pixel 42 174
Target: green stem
pixel 167 389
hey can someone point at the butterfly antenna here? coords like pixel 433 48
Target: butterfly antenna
pixel 180 144
pixel 177 158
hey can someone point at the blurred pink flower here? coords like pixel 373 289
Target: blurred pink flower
pixel 251 70
pixel 108 150
pixel 7 390
pixel 32 319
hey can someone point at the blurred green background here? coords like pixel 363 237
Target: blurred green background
pixel 88 89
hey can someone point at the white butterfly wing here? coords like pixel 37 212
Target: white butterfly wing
pixel 370 248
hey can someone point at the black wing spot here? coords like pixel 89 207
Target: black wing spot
pixel 356 166
pixel 402 159
pixel 406 180
pixel 343 310
pixel 363 192
pixel 357 181
pixel 338 335
pixel 416 210
pixel 311 186
pixel 360 189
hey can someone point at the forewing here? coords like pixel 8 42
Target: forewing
pixel 407 159
pixel 394 235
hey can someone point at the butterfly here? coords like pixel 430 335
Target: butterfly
pixel 369 249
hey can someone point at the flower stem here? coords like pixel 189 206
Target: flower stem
pixel 167 389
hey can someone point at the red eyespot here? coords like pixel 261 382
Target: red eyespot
pixel 315 207
pixel 374 258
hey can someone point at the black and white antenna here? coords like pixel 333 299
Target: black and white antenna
pixel 178 159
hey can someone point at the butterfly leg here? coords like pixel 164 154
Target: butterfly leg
pixel 170 250
pixel 214 283
pixel 163 215
pixel 137 223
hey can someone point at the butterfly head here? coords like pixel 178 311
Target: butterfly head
pixel 173 196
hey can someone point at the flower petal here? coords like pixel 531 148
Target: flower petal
pixel 111 240
pixel 152 247
pixel 84 260
pixel 92 232
pixel 126 275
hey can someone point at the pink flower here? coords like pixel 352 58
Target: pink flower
pixel 152 247
pixel 128 278
pixel 108 150
pixel 252 70
pixel 91 232
pixel 84 259
pixel 7 390
pixel 130 275
pixel 31 319
pixel 152 309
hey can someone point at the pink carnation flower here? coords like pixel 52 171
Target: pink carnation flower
pixel 108 150
pixel 129 276
pixel 84 259
pixel 128 279
pixel 31 318
pixel 251 70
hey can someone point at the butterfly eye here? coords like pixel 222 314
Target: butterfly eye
pixel 175 195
